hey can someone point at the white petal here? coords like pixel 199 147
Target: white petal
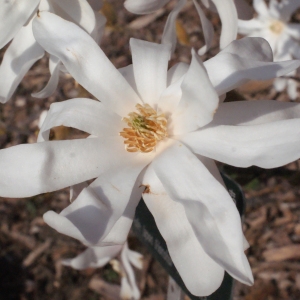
pixel 254 112
pixel 84 114
pixel 128 74
pixel 13 15
pixel 135 293
pixel 255 48
pixel 207 28
pixel 172 95
pixel 186 252
pixel 228 16
pixel 176 72
pixel 21 54
pixel 150 65
pixel 93 217
pixel 244 10
pixel 292 89
pixel 199 99
pixel 31 169
pixel 94 257
pixel 294 30
pixel 79 12
pixel 169 36
pixel 48 90
pixel 94 71
pixel 280 84
pixel 227 71
pixel 261 8
pixel 208 207
pixel 247 27
pixel 144 6
pixel 267 145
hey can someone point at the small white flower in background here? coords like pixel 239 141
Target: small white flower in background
pixel 16 25
pixel 227 10
pixel 272 24
pixel 173 125
pixel 122 260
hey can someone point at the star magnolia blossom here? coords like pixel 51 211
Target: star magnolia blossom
pixel 121 258
pixel 173 125
pixel 272 24
pixel 16 25
pixel 227 10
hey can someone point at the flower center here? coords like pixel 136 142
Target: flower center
pixel 276 27
pixel 146 129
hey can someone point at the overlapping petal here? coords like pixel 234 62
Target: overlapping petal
pixel 31 169
pixel 198 102
pixel 150 66
pixel 93 257
pixel 95 216
pixel 48 90
pixel 227 70
pixel 21 54
pixel 93 71
pixel 216 223
pixel 84 114
pixel 13 15
pixel 267 145
pixel 185 250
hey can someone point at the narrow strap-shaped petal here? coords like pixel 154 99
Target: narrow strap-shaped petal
pixel 21 54
pixel 261 8
pixel 31 169
pixel 187 254
pixel 49 89
pixel 207 29
pixel 84 114
pixel 169 36
pixel 100 210
pixel 93 71
pixel 267 145
pixel 13 15
pixel 254 112
pixel 93 257
pixel 144 6
pixel 247 27
pixel 228 16
pixel 208 207
pixel 199 99
pixel 150 66
pixel 125 261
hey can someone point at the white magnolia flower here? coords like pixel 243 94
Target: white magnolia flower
pixel 227 10
pixel 121 258
pixel 16 26
pixel 167 120
pixel 272 24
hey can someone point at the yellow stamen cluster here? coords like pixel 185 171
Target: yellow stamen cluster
pixel 276 27
pixel 146 129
